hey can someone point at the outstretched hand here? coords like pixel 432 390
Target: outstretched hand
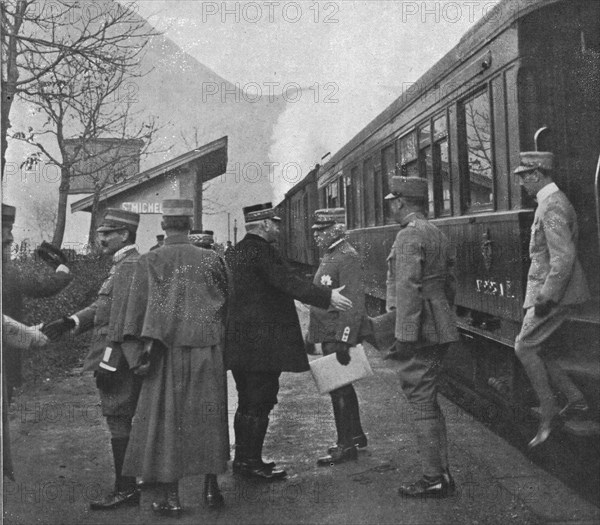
pixel 338 301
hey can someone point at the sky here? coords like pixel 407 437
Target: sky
pixel 340 64
pixel 352 58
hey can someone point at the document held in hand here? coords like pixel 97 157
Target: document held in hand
pixel 329 374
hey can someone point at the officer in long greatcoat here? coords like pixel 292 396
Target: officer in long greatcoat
pixel 263 332
pixel 338 331
pixel 177 306
pixel 420 287
pixel 116 378
pixel 555 283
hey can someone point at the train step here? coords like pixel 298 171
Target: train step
pixel 575 427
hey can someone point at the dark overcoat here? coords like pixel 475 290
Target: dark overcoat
pixel 263 331
pixel 16 285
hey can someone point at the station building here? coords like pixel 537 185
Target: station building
pixel 143 193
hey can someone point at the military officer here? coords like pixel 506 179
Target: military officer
pixel 16 284
pixel 177 304
pixel 420 288
pixel 338 331
pixel 263 333
pixel 114 368
pixel 555 282
pixel 203 239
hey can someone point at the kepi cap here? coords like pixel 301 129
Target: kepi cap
pixel 258 212
pixel 8 214
pixel 178 208
pixel 408 187
pixel 532 160
pixel 118 219
pixel 328 217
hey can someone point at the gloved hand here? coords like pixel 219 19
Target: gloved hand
pixel 543 305
pixel 54 329
pixel 342 352
pixel 51 255
pixel 144 366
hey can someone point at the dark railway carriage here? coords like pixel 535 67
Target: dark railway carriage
pixel 525 66
pixel 296 212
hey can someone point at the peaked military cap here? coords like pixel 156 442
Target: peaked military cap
pixel 118 219
pixel 8 213
pixel 408 187
pixel 532 160
pixel 328 217
pixel 258 212
pixel 178 208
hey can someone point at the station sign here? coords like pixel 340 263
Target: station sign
pixel 143 207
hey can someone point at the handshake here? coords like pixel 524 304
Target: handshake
pixel 55 329
pixel 22 337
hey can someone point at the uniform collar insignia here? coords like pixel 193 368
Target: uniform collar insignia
pixel 122 253
pixel 335 243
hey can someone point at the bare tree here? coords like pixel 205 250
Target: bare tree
pixel 83 94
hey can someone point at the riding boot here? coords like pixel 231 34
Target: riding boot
pixel 358 435
pixel 256 429
pixel 242 431
pixel 125 492
pixel 346 449
pixel 213 499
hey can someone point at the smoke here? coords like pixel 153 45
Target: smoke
pixel 320 123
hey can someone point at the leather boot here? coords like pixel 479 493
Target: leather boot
pixel 242 431
pixel 253 466
pixel 358 436
pixel 212 497
pixel 346 450
pixel 125 492
pixel 170 505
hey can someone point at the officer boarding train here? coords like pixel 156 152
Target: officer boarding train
pixel 527 65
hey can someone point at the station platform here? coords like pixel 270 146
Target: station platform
pixel 61 451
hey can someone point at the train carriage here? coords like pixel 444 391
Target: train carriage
pixel 525 66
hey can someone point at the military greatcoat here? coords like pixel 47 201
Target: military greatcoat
pixel 263 331
pixel 420 284
pixel 177 301
pixel 340 266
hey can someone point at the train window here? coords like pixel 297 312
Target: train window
pixel 441 165
pixel 407 150
pixel 476 138
pixel 331 195
pixel 369 192
pixel 440 128
pixel 378 195
pixel 350 200
pixel 424 135
pixel 388 169
pixel 340 185
pixel 427 172
pixel 433 160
